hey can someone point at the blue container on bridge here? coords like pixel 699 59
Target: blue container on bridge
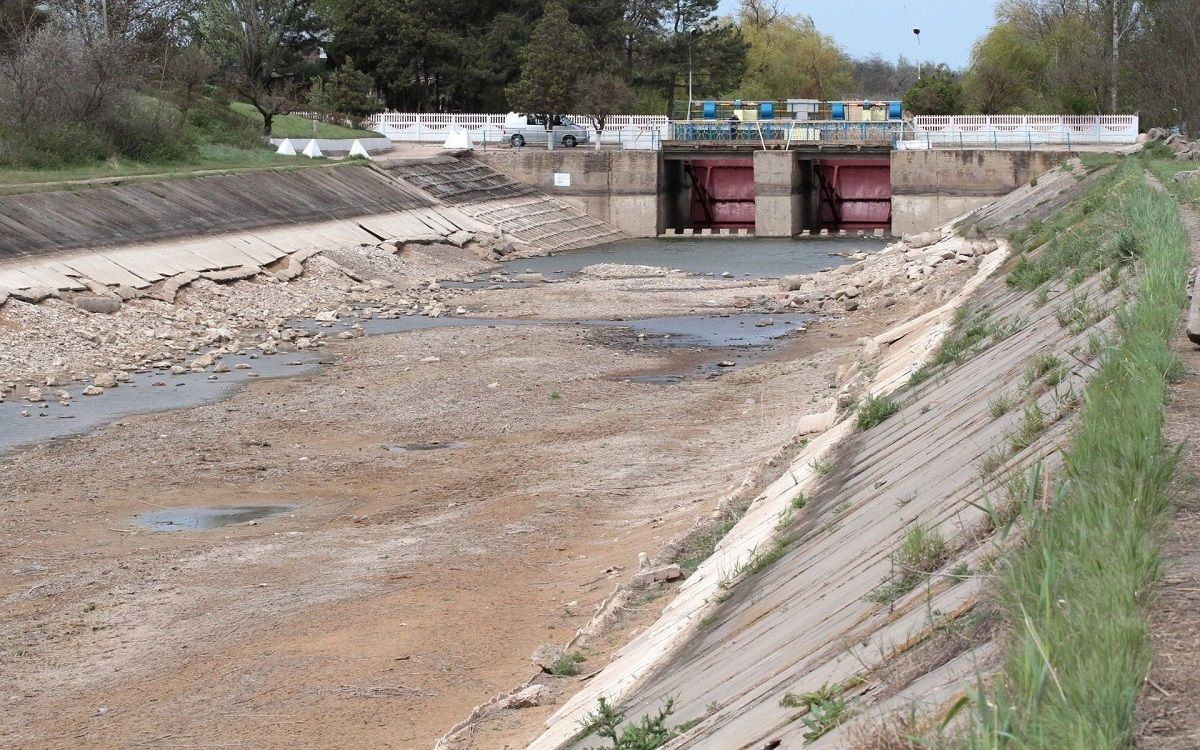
pixel 895 110
pixel 766 111
pixel 837 110
pixel 708 110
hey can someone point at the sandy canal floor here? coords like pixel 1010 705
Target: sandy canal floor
pixel 449 516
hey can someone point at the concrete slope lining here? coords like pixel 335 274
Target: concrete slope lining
pixel 144 265
pixel 512 207
pixel 34 224
pixel 802 622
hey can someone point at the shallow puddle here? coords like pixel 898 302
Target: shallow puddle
pixel 155 391
pixel 430 446
pixel 716 331
pixel 205 518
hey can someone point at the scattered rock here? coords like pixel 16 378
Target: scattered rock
pixel 105 380
pixel 178 370
pixel 96 304
pixel 850 304
pixel 973 232
pixel 791 283
pixel 658 575
pixel 34 394
pixel 33 294
pixel 222 368
pixel 923 239
pixel 93 390
pixel 545 655
pixel 529 697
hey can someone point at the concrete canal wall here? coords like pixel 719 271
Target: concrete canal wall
pixel 647 194
pixel 933 187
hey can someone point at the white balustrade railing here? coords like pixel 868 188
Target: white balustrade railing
pixel 999 131
pixel 627 131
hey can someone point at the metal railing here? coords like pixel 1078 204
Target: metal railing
pixel 788 132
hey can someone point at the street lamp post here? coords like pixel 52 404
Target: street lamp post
pixel 691 36
pixel 917 34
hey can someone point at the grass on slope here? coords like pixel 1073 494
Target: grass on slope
pixel 1076 596
pixel 295 126
pixel 210 157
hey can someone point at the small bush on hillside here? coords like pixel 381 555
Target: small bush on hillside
pixel 647 733
pixel 826 710
pixel 567 665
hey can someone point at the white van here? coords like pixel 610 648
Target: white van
pixel 521 128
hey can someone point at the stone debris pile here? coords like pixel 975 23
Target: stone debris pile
pixel 918 264
pixel 101 336
pixel 1183 148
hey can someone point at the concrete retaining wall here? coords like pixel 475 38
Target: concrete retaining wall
pixel 617 187
pixel 930 188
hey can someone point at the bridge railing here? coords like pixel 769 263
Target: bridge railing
pixel 776 132
pixel 1016 131
pixel 626 131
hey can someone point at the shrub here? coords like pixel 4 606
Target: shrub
pixel 567 665
pixel 647 733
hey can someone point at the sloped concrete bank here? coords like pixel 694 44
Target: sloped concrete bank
pixel 804 627
pixel 90 280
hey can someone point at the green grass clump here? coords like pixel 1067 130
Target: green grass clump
pixel 567 665
pixel 701 546
pixel 825 706
pixel 1076 596
pixel 1031 425
pixel 922 551
pixel 1000 405
pixel 875 409
pixel 962 342
pixel 1079 313
pixel 1041 365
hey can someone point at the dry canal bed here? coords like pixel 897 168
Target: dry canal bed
pixel 451 498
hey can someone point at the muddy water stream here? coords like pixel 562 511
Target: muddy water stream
pixel 739 256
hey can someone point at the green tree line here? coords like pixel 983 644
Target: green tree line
pixel 149 79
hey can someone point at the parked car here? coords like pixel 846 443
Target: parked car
pixel 521 128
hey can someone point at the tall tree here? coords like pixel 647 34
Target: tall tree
pixel 262 48
pixel 876 78
pixel 602 95
pixel 550 61
pixel 1007 72
pixel 789 57
pixel 936 93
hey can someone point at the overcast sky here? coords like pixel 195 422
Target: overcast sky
pixel 863 27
